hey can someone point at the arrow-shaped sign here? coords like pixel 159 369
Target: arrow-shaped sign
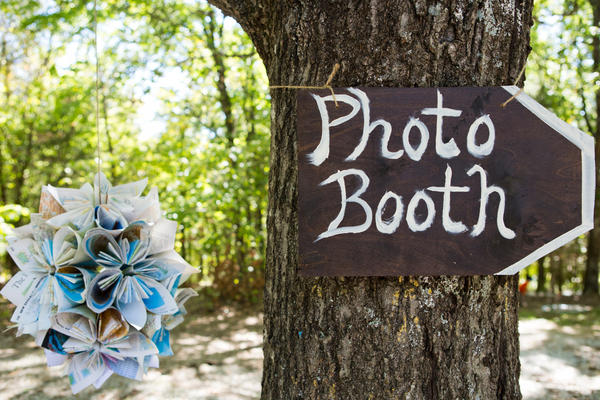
pixel 446 181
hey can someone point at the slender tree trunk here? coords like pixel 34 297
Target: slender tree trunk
pixel 557 264
pixel 554 277
pixel 114 177
pixel 590 280
pixel 380 338
pixel 23 165
pixel 7 64
pixel 3 188
pixel 183 241
pixel 211 31
pixel 541 287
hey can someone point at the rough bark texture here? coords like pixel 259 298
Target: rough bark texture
pixel 380 338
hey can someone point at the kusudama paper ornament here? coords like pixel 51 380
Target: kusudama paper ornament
pixel 98 281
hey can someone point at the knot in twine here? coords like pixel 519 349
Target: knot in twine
pixel 336 67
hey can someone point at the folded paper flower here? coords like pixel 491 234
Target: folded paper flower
pixel 49 276
pixel 96 346
pixel 158 327
pixel 132 279
pixel 103 205
pixel 98 280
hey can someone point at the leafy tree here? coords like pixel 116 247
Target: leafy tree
pixel 216 140
pixel 43 115
pixel 564 75
pixel 210 161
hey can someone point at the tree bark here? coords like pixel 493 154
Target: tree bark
pixel 590 280
pixel 380 338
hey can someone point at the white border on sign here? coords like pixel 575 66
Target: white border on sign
pixel 588 177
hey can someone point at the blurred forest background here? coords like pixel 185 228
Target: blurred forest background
pixel 184 101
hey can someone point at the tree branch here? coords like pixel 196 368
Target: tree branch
pixel 224 97
pixel 586 116
pixel 254 17
pixel 233 8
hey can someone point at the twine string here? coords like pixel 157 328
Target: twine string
pixel 336 67
pixel 97 96
pixel 327 84
pixel 515 84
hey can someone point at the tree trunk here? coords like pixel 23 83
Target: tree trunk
pixel 556 266
pixel 590 280
pixel 541 287
pixel 211 29
pixel 380 338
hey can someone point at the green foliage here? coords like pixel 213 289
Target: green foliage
pixel 561 72
pixel 564 269
pixel 210 160
pixel 563 75
pixel 11 214
pixel 43 115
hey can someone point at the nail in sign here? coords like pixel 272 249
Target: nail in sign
pixel 426 181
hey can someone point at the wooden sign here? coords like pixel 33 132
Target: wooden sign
pixel 436 181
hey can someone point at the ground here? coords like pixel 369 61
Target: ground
pixel 560 349
pixel 218 356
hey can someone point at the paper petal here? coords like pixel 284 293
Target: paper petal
pixel 154 361
pixel 160 300
pixel 175 260
pixel 128 368
pixel 29 310
pixel 112 326
pixel 98 299
pixel 22 254
pixel 54 341
pixel 16 289
pixel 163 236
pixel 78 322
pixel 134 312
pixel 141 234
pixel 97 241
pixel 162 339
pixel 107 374
pixel 83 372
pixel 23 232
pixel 49 206
pixel 79 217
pixel 41 229
pixel 54 359
pixel 69 199
pixel 133 189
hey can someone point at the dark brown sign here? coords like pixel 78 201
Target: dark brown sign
pixel 436 181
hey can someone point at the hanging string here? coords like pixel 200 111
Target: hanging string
pixel 336 67
pixel 97 96
pixel 515 84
